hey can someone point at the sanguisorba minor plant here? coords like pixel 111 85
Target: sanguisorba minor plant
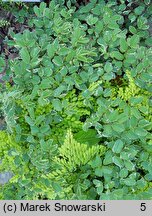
pixel 79 113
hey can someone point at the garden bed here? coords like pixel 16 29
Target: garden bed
pixel 76 99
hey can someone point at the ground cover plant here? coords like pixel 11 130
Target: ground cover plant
pixel 79 108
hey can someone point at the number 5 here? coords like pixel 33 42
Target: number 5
pixel 143 207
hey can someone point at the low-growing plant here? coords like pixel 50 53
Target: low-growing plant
pixel 3 23
pixel 89 70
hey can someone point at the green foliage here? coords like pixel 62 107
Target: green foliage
pixel 20 11
pixel 74 154
pixel 3 23
pixel 72 163
pixel 87 69
pixel 7 144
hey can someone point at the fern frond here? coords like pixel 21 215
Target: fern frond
pixel 131 90
pixel 72 154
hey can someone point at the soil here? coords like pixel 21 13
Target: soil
pixel 16 27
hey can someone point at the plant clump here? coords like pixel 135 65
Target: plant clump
pixel 79 110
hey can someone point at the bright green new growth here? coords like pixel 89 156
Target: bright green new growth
pixel 71 167
pixel 135 96
pixel 74 155
pixel 8 150
pixel 4 23
pixel 129 91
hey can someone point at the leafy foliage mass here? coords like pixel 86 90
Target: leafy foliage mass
pixel 79 113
